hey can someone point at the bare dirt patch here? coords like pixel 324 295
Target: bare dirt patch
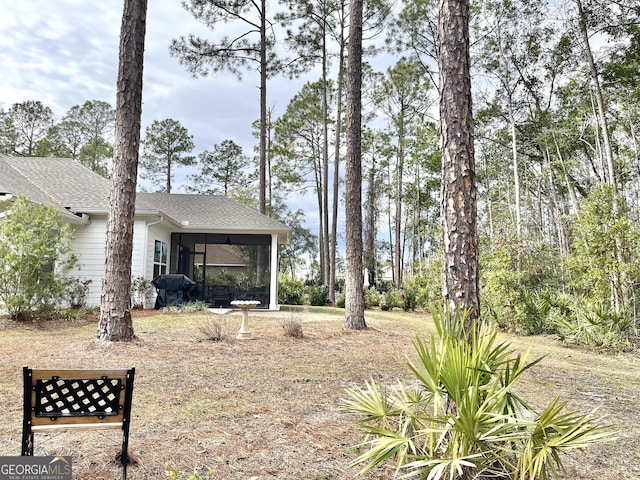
pixel 268 408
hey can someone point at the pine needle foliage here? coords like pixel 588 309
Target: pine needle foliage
pixel 461 419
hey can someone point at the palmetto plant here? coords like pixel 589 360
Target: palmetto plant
pixel 461 420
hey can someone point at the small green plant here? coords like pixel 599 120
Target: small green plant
pixel 463 419
pixel 62 313
pixel 187 307
pixel 197 306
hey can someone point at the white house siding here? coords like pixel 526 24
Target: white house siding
pixel 89 245
pixel 137 258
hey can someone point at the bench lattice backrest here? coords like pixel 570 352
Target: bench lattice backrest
pixel 57 400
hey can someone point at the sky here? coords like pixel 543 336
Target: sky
pixel 65 52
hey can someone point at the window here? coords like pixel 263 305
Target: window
pixel 160 258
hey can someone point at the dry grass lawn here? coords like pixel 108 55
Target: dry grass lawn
pixel 268 408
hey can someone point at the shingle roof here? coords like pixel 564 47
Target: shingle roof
pixel 201 211
pixel 61 182
pixel 70 186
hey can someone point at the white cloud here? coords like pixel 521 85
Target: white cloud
pixel 65 52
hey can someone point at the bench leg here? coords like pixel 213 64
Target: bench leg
pixel 27 444
pixel 124 457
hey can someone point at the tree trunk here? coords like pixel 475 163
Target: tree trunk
pixel 370 219
pixel 169 176
pixel 399 251
pixel 604 126
pixel 263 108
pixel 336 168
pixel 262 257
pixel 354 303
pixel 115 322
pixel 459 209
pixel 325 162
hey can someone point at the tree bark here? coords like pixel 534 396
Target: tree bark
pixel 336 171
pixel 115 322
pixel 263 259
pixel 325 161
pixel 604 125
pixel 459 209
pixel 354 303
pixel 399 250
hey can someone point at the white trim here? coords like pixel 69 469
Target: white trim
pixel 273 287
pixel 145 258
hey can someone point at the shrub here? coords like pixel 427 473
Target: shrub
pixel 77 291
pixel 214 329
pixel 533 311
pixel 35 255
pixel 596 324
pixel 463 420
pixel 197 306
pixel 290 291
pixel 341 300
pixel 141 290
pixel 187 307
pixel 424 288
pixel 371 298
pixel 293 328
pixel 318 294
pixel 391 299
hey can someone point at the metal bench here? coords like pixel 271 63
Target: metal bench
pixel 68 400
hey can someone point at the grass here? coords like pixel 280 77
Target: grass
pixel 268 408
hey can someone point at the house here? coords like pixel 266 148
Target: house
pixel 228 249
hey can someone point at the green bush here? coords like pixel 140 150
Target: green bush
pixel 391 299
pixel 372 297
pixel 35 256
pixel 290 291
pixel 187 307
pixel 341 299
pixel 596 324
pixel 463 419
pixel 425 287
pixel 318 294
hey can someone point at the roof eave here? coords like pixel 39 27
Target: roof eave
pixel 284 235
